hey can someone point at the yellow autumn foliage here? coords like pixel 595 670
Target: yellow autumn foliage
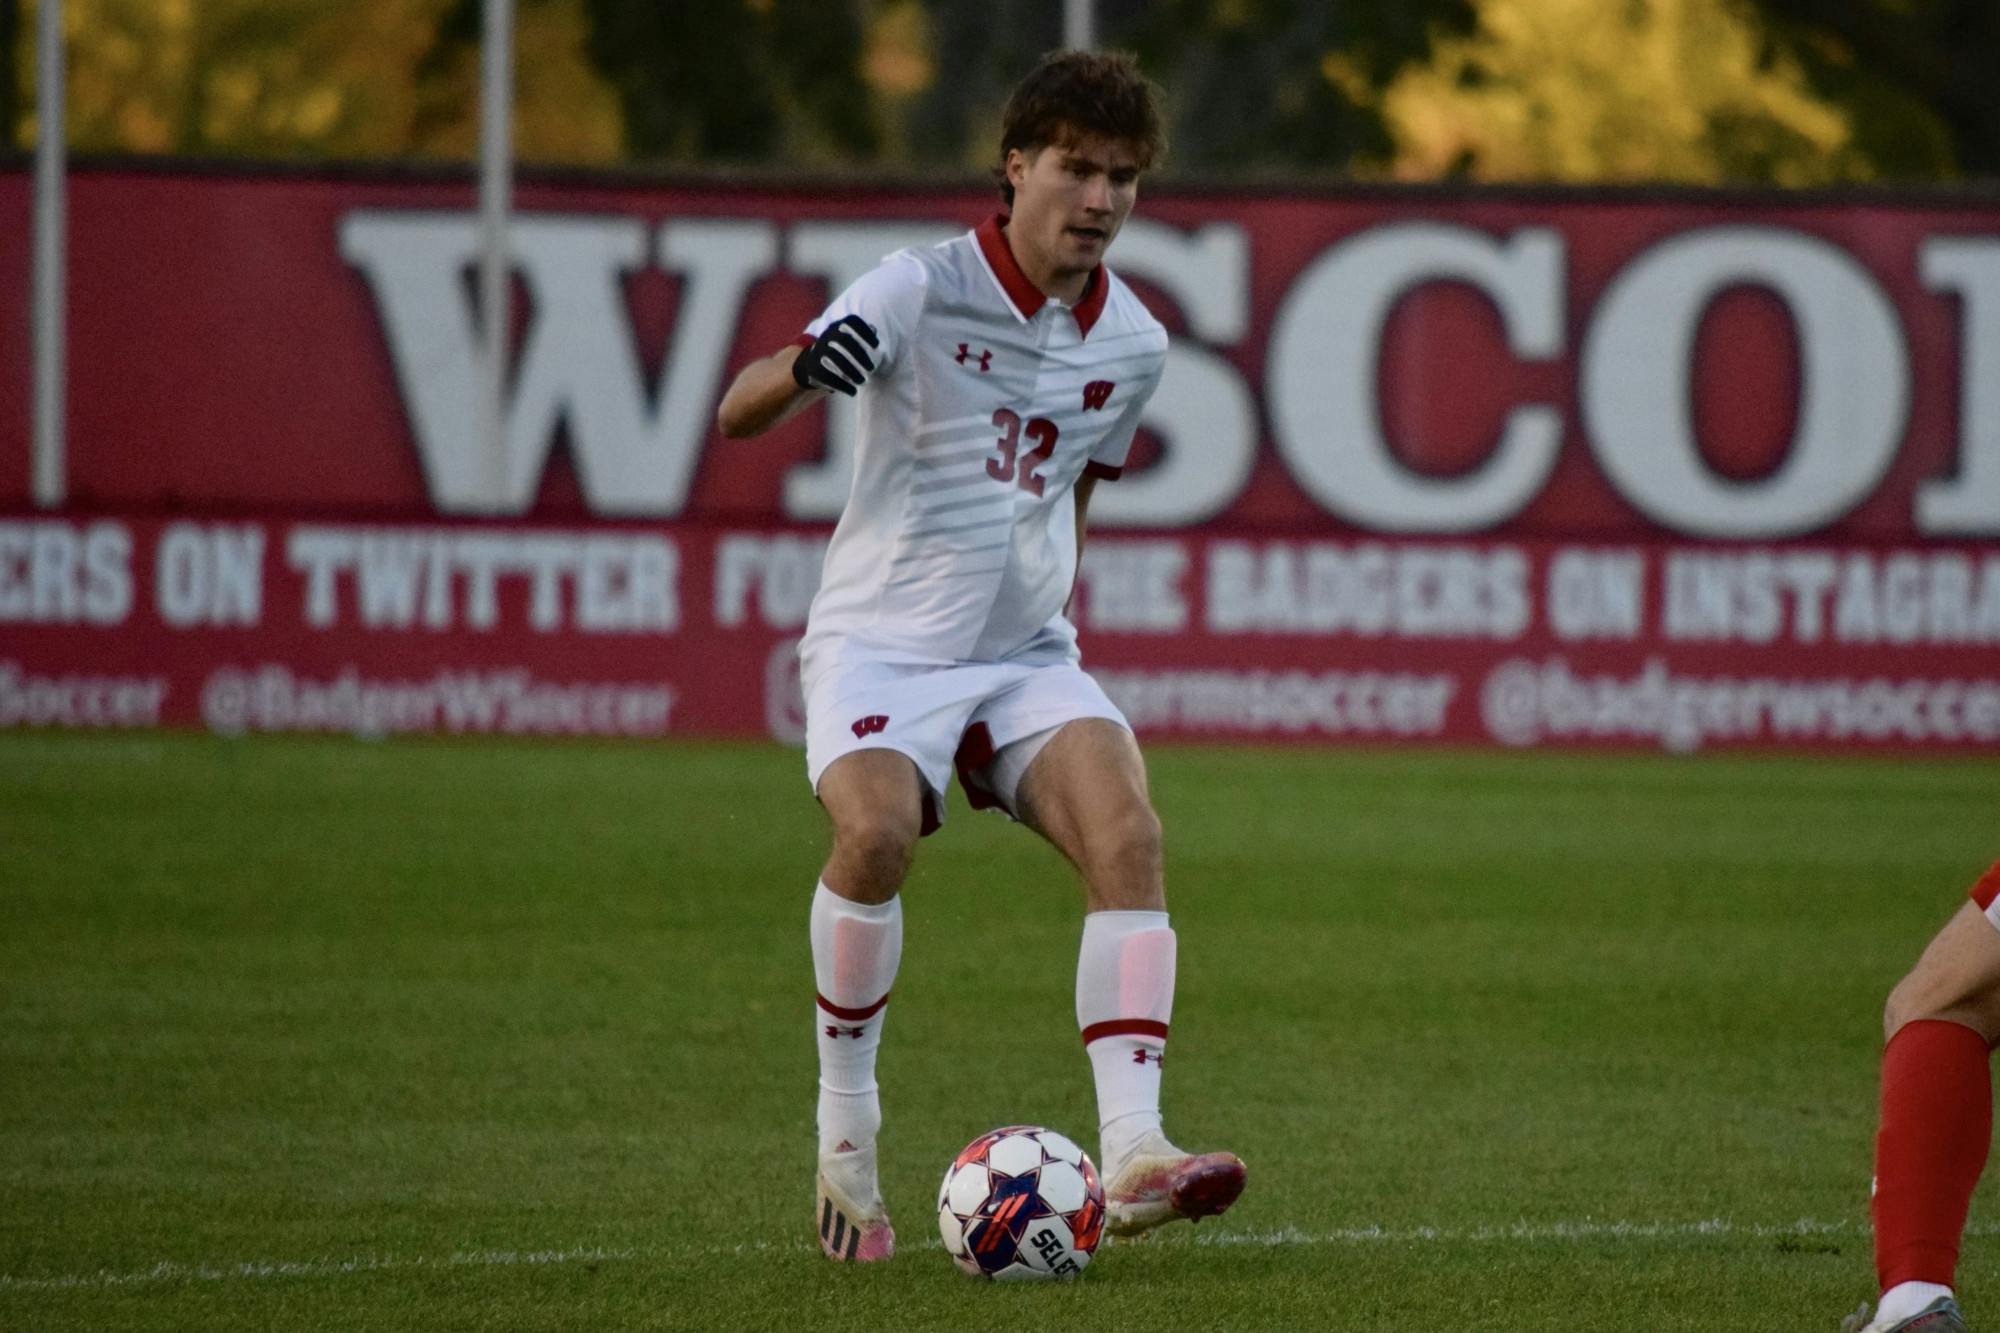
pixel 307 78
pixel 1559 90
pixel 1614 90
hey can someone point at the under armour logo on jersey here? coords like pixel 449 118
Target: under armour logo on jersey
pixel 837 1032
pixel 1140 1056
pixel 868 726
pixel 984 358
pixel 1096 394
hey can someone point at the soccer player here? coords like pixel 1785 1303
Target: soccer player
pixel 1942 1021
pixel 998 378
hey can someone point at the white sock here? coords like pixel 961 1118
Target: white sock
pixel 1124 998
pixel 1905 1299
pixel 856 947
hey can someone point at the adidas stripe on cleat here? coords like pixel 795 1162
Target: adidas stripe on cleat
pixel 851 1232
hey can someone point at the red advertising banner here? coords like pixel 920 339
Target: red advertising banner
pixel 1520 469
pixel 624 629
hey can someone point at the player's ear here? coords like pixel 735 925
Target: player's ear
pixel 1016 167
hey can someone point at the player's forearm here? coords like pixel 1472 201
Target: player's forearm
pixel 762 395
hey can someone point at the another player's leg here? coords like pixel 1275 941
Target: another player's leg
pixel 1085 791
pixel 1941 1022
pixel 873 798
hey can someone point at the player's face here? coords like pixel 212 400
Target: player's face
pixel 1071 199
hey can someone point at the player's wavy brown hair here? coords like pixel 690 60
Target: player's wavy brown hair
pixel 1071 94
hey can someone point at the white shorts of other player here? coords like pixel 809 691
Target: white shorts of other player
pixel 987 719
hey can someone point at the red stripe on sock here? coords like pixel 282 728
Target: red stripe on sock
pixel 1125 1027
pixel 1987 887
pixel 851 1015
pixel 1937 1123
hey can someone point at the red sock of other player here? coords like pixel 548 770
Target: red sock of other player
pixel 1937 1124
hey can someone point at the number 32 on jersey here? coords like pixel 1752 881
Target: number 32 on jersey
pixel 1040 431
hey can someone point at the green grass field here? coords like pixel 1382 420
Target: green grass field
pixel 324 1034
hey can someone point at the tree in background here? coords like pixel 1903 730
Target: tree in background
pixel 1920 78
pixel 978 52
pixel 1251 84
pixel 735 80
pixel 12 60
pixel 1748 91
pixel 1286 84
pixel 305 78
pixel 1583 90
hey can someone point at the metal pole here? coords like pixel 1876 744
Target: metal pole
pixel 49 479
pixel 1079 24
pixel 496 187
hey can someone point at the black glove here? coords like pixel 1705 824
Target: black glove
pixel 837 360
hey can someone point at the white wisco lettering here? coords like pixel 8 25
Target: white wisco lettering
pixel 1854 391
pixel 1204 411
pixel 1326 344
pixel 1969 502
pixel 445 578
pixel 637 445
pixel 635 449
pixel 840 253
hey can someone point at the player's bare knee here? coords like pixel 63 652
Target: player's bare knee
pixel 1898 1009
pixel 1125 853
pixel 1924 992
pixel 876 849
pixel 1930 992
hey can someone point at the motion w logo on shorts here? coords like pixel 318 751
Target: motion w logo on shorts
pixel 1097 393
pixel 868 726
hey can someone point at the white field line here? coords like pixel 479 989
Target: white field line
pixel 167 1270
pixel 1524 1232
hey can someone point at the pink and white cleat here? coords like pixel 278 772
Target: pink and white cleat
pixel 1159 1183
pixel 853 1223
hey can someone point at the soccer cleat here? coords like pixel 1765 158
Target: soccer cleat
pixel 1940 1316
pixel 1159 1183
pixel 852 1222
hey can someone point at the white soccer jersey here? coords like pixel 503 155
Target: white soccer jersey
pixel 988 401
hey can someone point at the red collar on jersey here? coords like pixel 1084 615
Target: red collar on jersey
pixel 1027 297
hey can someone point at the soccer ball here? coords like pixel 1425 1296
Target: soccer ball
pixel 1021 1202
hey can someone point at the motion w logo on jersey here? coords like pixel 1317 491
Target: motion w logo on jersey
pixel 870 725
pixel 1097 393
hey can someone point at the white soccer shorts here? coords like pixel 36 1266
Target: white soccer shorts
pixel 987 720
